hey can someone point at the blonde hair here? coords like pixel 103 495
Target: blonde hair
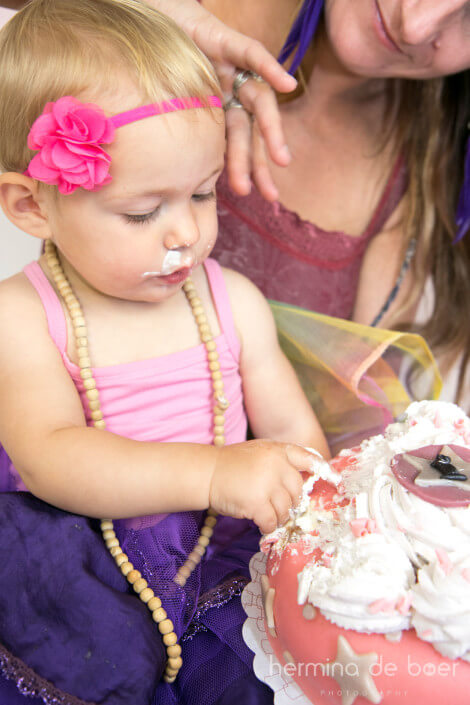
pixel 53 48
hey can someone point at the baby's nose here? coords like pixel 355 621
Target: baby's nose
pixel 183 233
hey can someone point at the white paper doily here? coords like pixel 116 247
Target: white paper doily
pixel 266 665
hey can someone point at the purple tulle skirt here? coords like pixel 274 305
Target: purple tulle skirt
pixel 72 632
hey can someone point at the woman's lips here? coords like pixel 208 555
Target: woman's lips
pixel 382 31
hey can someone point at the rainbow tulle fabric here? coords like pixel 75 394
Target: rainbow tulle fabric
pixel 357 378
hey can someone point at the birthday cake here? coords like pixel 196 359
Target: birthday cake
pixel 367 587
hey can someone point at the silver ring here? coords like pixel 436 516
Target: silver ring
pixel 242 77
pixel 233 103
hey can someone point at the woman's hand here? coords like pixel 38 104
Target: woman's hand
pixel 259 480
pixel 249 140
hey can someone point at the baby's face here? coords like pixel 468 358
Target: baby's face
pixel 161 200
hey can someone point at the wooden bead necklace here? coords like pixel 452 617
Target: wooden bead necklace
pixel 133 576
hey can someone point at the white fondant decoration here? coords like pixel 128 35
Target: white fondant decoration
pixel 309 612
pixel 394 636
pixel 352 673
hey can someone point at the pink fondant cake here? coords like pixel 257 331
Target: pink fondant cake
pixel 367 588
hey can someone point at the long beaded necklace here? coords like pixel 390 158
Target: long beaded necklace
pixel 134 577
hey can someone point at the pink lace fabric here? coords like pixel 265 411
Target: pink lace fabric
pixel 292 260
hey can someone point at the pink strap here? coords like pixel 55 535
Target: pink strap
pixel 52 306
pixel 56 317
pixel 166 106
pixel 222 305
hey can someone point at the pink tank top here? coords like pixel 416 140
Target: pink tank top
pixel 293 260
pixel 165 399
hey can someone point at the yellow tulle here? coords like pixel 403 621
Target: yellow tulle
pixel 357 378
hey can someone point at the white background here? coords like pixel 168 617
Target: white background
pixel 16 248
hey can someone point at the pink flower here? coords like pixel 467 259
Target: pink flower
pixel 68 135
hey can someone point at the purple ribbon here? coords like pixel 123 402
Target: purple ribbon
pixel 463 208
pixel 301 33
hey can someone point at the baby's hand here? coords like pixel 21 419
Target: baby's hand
pixel 258 480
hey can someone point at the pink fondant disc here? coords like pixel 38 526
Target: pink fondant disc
pixel 444 495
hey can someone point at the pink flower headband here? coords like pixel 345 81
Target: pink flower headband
pixel 69 135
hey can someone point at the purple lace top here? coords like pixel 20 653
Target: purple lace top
pixel 291 259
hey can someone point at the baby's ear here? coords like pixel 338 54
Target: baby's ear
pixel 24 205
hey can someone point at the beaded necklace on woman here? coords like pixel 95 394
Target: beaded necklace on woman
pixel 133 576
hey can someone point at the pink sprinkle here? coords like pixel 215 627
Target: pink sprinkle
pixel 437 420
pixel 459 423
pixel 466 574
pixel 413 422
pixel 444 560
pixel 427 634
pixel 404 604
pixel 362 527
pixel 381 605
pixel 326 560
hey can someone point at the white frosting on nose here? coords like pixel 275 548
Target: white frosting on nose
pixel 173 260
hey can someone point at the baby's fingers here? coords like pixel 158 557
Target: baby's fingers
pixel 293 482
pixel 266 519
pixel 281 501
pixel 300 458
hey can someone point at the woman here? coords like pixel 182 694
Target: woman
pixel 377 166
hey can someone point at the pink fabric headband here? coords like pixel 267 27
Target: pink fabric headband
pixel 69 135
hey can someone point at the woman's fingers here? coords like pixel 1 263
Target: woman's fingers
pixel 224 45
pixel 261 172
pixel 239 155
pixel 247 53
pixel 258 98
pixel 247 153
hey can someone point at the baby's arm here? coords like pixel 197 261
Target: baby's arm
pixel 60 459
pixel 97 473
pixel 276 405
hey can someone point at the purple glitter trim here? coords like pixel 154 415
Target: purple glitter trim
pixel 217 597
pixel 30 684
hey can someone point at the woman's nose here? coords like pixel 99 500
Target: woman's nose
pixel 422 21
